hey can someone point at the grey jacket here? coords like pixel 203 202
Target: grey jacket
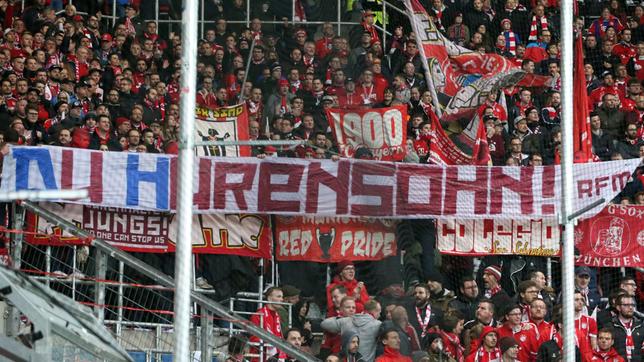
pixel 364 324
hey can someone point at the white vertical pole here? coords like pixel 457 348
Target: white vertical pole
pixel 568 252
pixel 339 17
pixel 183 260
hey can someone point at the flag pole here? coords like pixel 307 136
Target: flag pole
pixel 183 254
pixel 567 142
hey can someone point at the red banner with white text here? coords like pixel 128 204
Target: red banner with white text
pixel 153 232
pixel 332 240
pixel 383 131
pixel 613 238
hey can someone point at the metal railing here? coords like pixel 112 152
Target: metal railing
pixel 131 297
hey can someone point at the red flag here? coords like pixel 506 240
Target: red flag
pixel 443 150
pixel 581 126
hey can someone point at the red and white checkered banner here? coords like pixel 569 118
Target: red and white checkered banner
pixel 286 186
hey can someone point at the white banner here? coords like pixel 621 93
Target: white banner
pixel 504 237
pixel 289 186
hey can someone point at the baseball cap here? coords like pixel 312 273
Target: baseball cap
pixel 582 270
pixel 77 104
pixel 327 99
pixel 106 37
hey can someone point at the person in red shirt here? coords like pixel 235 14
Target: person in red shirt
pixel 625 49
pixel 270 318
pixel 391 340
pixel 368 92
pixel 605 351
pixel 347 277
pixel 538 310
pixel 586 326
pixel 526 334
pixel 488 351
pixel 325 44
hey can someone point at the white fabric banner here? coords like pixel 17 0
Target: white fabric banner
pixel 290 186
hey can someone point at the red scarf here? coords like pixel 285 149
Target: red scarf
pixel 424 322
pixel 510 41
pixel 630 345
pixel 452 345
pixel 484 356
pixel 536 22
pixel 129 25
pixel 491 292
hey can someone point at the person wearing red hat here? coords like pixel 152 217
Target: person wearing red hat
pixel 346 276
pixel 488 351
pixel 492 283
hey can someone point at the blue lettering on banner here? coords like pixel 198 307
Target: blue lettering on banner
pixel 159 178
pixel 42 157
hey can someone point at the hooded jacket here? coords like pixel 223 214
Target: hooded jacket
pixel 365 326
pixel 480 354
pixel 610 356
pixel 347 336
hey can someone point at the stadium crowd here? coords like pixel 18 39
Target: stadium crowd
pixel 71 79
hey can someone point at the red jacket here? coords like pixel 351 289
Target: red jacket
pixel 546 331
pixel 350 287
pixel 610 356
pixel 392 355
pixel 272 325
pixel 528 338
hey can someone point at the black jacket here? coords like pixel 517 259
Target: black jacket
pixel 619 335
